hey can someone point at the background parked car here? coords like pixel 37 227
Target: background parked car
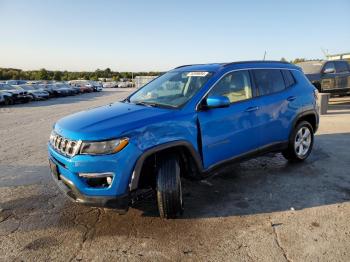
pixel 36 92
pixel 18 94
pixel 328 76
pixel 96 86
pixel 71 89
pixel 110 84
pixel 6 98
pixel 84 88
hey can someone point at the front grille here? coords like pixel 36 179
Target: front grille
pixel 64 146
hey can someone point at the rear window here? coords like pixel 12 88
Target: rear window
pixel 268 81
pixel 288 78
pixel 341 66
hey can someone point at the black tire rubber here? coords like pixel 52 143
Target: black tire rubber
pixel 7 101
pixel 169 191
pixel 290 153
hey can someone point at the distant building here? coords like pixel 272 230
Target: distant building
pixel 345 56
pixel 142 80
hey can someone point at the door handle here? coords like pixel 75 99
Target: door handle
pixel 252 108
pixel 291 98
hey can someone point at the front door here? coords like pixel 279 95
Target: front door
pixel 231 131
pixel 328 77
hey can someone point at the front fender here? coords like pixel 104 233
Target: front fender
pixel 139 163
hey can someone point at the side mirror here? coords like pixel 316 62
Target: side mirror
pixel 217 102
pixel 329 71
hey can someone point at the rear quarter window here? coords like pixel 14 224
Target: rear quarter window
pixel 288 78
pixel 268 81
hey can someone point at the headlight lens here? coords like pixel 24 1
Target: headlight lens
pixel 104 147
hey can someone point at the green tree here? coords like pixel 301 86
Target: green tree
pixel 42 74
pixel 57 75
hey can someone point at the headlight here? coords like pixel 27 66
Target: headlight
pixel 52 137
pixel 104 147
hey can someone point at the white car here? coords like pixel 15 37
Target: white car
pixel 110 84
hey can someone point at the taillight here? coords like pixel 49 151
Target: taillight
pixel 316 94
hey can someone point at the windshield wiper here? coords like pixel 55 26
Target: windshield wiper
pixel 145 104
pixel 150 104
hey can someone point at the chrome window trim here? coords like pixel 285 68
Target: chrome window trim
pixel 235 70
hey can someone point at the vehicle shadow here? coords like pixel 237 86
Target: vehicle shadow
pixel 258 186
pixel 269 184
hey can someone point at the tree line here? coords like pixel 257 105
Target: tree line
pixel 43 74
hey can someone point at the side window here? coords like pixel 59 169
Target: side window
pixel 268 81
pixel 329 68
pixel 288 78
pixel 236 86
pixel 341 67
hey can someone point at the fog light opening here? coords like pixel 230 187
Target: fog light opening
pixel 97 180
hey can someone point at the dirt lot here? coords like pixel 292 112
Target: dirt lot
pixel 264 209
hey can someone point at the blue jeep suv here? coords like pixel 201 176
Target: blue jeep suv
pixel 184 124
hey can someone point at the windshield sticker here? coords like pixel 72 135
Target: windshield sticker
pixel 200 74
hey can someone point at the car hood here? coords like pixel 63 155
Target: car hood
pixel 313 77
pixel 11 91
pixel 109 121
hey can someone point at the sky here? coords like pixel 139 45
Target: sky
pixel 85 35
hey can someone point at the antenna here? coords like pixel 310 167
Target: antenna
pixel 264 55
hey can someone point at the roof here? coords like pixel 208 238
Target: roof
pixel 236 65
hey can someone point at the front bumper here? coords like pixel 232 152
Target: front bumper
pixel 116 195
pixel 69 189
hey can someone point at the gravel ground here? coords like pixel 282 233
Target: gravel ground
pixel 264 209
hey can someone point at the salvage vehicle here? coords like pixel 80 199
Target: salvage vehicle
pixel 328 76
pixel 35 92
pixel 6 98
pixel 184 124
pixel 56 90
pixel 18 94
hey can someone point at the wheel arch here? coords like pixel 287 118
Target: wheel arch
pixel 310 116
pixel 184 148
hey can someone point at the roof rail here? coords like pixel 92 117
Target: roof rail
pixel 256 61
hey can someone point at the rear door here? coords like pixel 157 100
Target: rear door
pixel 342 76
pixel 278 102
pixel 231 131
pixel 328 75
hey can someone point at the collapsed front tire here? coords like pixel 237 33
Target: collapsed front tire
pixel 169 191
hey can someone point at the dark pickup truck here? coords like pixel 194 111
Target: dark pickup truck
pixel 328 76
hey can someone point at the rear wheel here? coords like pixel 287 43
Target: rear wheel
pixel 300 142
pixel 169 191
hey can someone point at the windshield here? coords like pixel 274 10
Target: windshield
pixel 7 87
pixel 172 89
pixel 311 67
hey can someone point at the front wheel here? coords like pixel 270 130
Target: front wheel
pixel 169 191
pixel 300 142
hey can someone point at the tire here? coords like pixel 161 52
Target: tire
pixel 8 101
pixel 169 191
pixel 300 143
